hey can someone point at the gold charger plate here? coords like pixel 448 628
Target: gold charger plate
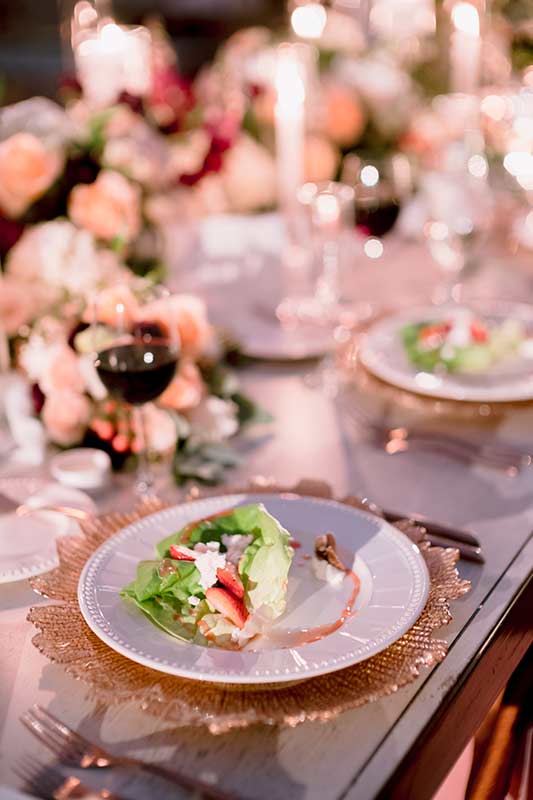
pixel 65 638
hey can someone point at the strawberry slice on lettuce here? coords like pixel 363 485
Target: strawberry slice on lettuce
pixel 220 580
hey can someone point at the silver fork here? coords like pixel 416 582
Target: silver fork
pixel 50 783
pixel 401 439
pixel 72 748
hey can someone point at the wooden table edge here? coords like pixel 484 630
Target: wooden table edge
pixel 443 739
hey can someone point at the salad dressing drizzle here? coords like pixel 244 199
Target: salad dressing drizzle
pixel 297 638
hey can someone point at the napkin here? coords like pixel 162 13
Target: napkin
pixel 27 431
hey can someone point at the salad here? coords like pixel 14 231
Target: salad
pixel 219 580
pixel 461 343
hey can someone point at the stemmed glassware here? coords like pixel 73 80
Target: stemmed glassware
pixel 459 217
pixel 326 211
pixel 329 209
pixel 380 185
pixel 136 349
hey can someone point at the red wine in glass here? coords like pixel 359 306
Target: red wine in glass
pixel 138 371
pixel 376 216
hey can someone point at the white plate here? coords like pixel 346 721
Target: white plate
pixel 28 544
pixel 383 354
pixel 394 588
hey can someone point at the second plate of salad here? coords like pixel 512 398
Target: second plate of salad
pixel 253 588
pixel 481 352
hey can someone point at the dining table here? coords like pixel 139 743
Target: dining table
pixel 399 746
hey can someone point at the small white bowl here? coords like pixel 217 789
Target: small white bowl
pixel 82 467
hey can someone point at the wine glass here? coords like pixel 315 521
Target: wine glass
pixel 136 344
pixel 381 185
pixel 459 207
pixel 326 214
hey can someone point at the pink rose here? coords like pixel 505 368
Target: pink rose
pixel 27 170
pixel 66 415
pixel 62 372
pixel 20 302
pixel 344 117
pixel 61 258
pixel 186 390
pixel 249 176
pixel 110 207
pixel 187 315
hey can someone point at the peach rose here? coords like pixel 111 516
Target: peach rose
pixel 264 106
pixel 110 207
pixel 20 302
pixel 185 314
pixel 27 170
pixel 186 390
pixel 249 176
pixel 62 372
pixel 344 117
pixel 66 415
pixel 321 159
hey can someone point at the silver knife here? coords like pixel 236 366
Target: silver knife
pixel 457 534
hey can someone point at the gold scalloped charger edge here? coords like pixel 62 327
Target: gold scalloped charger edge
pixel 65 638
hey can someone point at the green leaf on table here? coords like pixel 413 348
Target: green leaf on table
pixel 203 462
pixel 250 412
pixel 220 380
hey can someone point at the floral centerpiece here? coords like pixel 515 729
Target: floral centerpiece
pixel 83 192
pixel 199 411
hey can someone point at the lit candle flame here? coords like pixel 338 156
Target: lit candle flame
pixel 308 21
pixel 465 18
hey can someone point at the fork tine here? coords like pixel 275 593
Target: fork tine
pixel 464 449
pixel 510 454
pixel 53 740
pixel 71 735
pixel 39 778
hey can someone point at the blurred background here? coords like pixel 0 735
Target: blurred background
pixel 30 45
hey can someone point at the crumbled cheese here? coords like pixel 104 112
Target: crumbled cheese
pixel 459 335
pixel 193 600
pixel 207 547
pixel 326 572
pixel 235 544
pixel 448 352
pixel 207 564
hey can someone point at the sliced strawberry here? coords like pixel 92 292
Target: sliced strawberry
pixel 439 329
pixel 229 606
pixel 478 332
pixel 182 553
pixel 230 578
pixel 294 543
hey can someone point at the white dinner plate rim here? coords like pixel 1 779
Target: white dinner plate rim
pixel 19 488
pixel 301 669
pixel 399 377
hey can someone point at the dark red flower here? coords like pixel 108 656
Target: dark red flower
pixel 223 136
pixel 37 397
pixel 10 232
pixel 133 101
pixel 171 99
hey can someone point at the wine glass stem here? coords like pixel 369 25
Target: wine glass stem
pixel 144 472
